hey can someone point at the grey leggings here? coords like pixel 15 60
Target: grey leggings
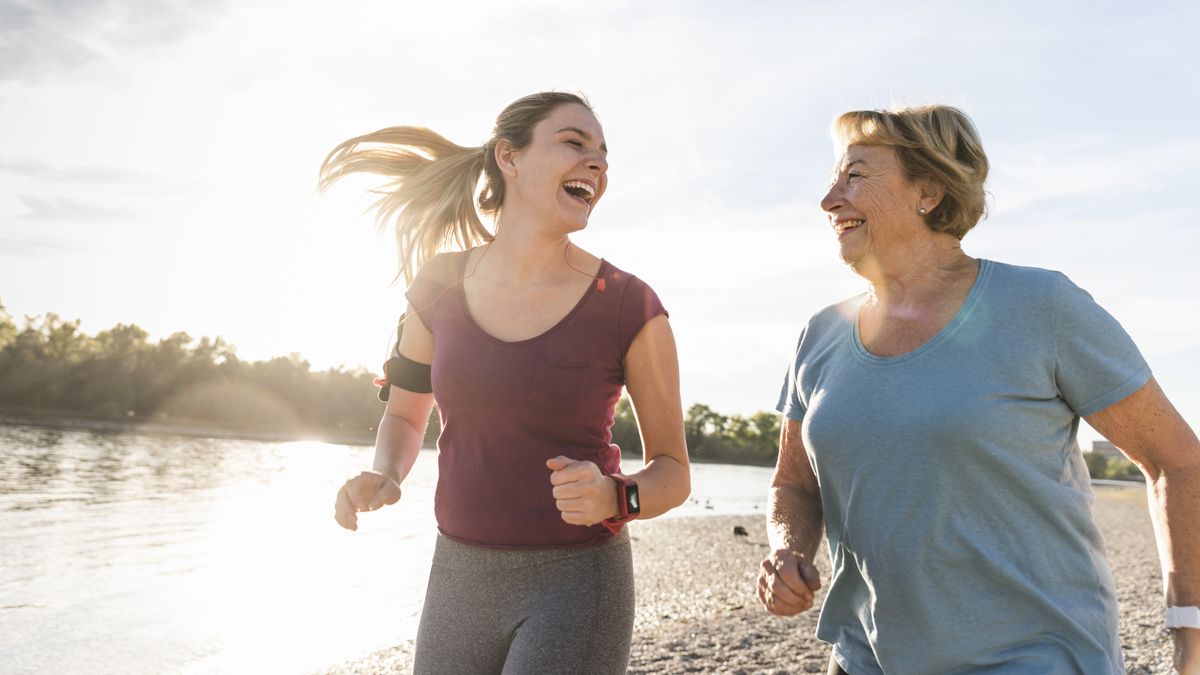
pixel 539 611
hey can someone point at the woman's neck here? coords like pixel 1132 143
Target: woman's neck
pixel 521 255
pixel 923 272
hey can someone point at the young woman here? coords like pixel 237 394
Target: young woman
pixel 525 342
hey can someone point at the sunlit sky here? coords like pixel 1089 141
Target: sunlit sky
pixel 158 159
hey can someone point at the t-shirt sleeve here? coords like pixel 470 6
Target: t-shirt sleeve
pixel 639 304
pixel 1096 362
pixel 789 396
pixel 425 290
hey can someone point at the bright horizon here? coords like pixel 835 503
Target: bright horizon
pixel 159 161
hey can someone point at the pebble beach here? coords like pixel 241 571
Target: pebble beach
pixel 697 613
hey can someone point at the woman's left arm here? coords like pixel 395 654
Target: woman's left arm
pixel 652 378
pixel 1148 429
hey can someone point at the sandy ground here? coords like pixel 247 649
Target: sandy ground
pixel 696 610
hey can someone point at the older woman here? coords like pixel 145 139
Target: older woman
pixel 931 432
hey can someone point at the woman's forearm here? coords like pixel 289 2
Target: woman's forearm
pixel 397 444
pixel 794 520
pixel 1174 497
pixel 663 484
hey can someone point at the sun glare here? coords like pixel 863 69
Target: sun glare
pixel 284 588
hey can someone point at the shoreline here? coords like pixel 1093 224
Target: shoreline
pixel 64 422
pixel 696 610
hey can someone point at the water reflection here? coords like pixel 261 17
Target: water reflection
pixel 144 554
pixel 47 466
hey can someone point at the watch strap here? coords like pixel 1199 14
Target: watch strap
pixel 623 516
pixel 1183 617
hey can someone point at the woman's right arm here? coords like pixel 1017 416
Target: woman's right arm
pixel 398 440
pixel 795 522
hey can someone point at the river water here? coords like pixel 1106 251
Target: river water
pixel 149 554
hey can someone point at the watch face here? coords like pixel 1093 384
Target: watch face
pixel 632 503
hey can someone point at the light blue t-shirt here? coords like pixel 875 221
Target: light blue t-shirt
pixel 956 501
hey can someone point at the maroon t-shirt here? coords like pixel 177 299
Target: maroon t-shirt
pixel 507 407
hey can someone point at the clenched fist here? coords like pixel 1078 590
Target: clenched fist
pixel 583 495
pixel 367 491
pixel 786 583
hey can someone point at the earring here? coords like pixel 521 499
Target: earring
pixel 921 210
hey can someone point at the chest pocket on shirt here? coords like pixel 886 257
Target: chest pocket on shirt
pixel 559 383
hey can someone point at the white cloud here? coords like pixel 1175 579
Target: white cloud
pixel 67 209
pixel 47 39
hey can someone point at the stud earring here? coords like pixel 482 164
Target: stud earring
pixel 921 210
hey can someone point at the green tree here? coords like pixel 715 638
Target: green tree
pixel 625 432
pixel 1120 468
pixel 702 428
pixel 8 329
pixel 1111 468
pixel 38 361
pixel 1097 464
pixel 715 437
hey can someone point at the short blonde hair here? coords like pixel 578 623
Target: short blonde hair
pixel 935 143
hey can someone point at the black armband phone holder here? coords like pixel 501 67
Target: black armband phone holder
pixel 407 374
pixel 401 371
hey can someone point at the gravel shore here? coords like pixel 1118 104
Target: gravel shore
pixel 696 610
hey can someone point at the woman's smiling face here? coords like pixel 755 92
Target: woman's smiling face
pixel 872 206
pixel 562 173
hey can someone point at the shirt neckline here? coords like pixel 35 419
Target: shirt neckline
pixel 466 309
pixel 985 269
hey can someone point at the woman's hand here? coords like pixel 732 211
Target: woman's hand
pixel 786 583
pixel 367 491
pixel 583 495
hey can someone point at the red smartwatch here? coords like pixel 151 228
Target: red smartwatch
pixel 629 503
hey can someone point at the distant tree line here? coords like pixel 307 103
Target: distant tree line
pixel 711 436
pixel 1112 468
pixel 49 368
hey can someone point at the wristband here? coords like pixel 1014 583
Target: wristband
pixel 1183 617
pixel 629 503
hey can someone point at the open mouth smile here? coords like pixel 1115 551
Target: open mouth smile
pixel 580 190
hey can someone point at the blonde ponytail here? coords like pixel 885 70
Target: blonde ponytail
pixel 430 198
